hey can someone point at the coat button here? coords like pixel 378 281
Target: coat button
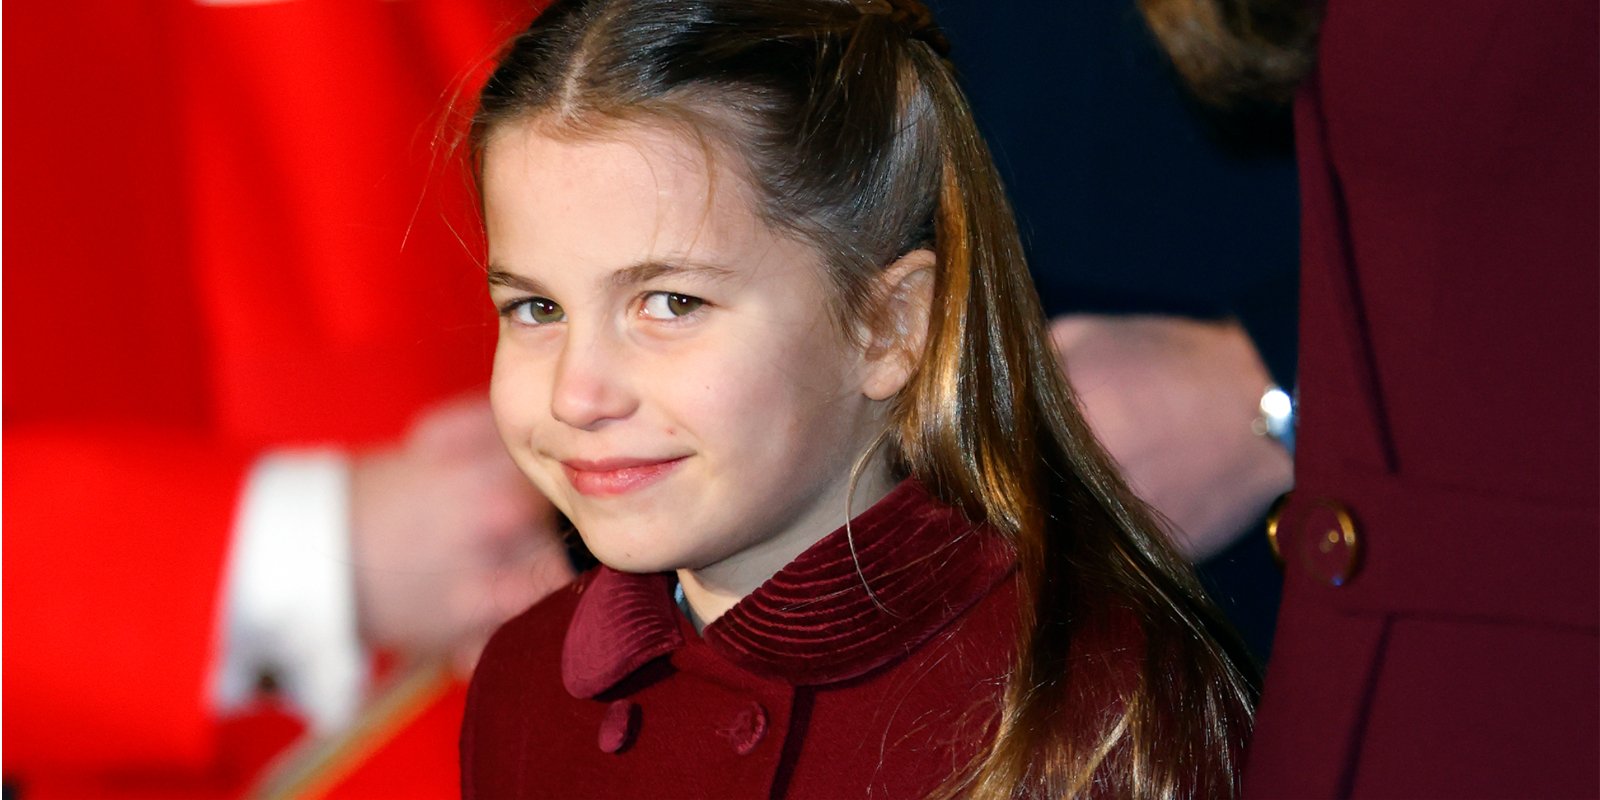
pixel 1327 543
pixel 1274 522
pixel 618 726
pixel 748 728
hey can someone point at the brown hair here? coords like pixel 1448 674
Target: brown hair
pixel 1236 53
pixel 857 139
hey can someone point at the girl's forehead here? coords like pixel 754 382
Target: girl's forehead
pixel 629 193
pixel 667 160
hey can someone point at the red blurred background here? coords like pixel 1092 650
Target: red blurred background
pixel 227 228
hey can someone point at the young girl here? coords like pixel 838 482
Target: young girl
pixel 769 342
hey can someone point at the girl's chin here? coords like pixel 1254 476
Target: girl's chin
pixel 622 559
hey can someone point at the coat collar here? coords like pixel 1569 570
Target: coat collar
pixel 814 622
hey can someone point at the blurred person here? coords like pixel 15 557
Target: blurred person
pixel 253 492
pixel 1439 635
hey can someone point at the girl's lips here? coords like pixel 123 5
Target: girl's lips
pixel 616 475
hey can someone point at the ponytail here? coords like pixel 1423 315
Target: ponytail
pixel 991 421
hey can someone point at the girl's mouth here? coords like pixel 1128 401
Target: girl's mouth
pixel 616 476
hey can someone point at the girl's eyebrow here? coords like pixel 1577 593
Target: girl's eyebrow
pixel 650 270
pixel 621 279
pixel 511 280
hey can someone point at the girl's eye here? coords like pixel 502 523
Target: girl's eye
pixel 667 305
pixel 535 311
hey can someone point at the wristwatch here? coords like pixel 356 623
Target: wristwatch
pixel 1276 420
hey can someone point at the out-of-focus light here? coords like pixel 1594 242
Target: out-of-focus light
pixel 1276 403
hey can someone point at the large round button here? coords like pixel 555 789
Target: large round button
pixel 1274 521
pixel 618 726
pixel 1326 542
pixel 748 728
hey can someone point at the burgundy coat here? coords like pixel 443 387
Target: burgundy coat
pixel 1438 635
pixel 805 688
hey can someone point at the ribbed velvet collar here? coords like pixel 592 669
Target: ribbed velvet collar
pixel 814 622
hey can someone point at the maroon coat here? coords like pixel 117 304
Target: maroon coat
pixel 1440 638
pixel 805 688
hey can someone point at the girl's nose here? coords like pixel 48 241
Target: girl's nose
pixel 590 384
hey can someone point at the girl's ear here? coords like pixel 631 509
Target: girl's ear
pixel 899 328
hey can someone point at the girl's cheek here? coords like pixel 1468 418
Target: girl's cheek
pixel 514 396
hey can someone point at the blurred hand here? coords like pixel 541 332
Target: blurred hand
pixel 450 539
pixel 1173 401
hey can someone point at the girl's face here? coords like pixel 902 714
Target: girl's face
pixel 668 371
